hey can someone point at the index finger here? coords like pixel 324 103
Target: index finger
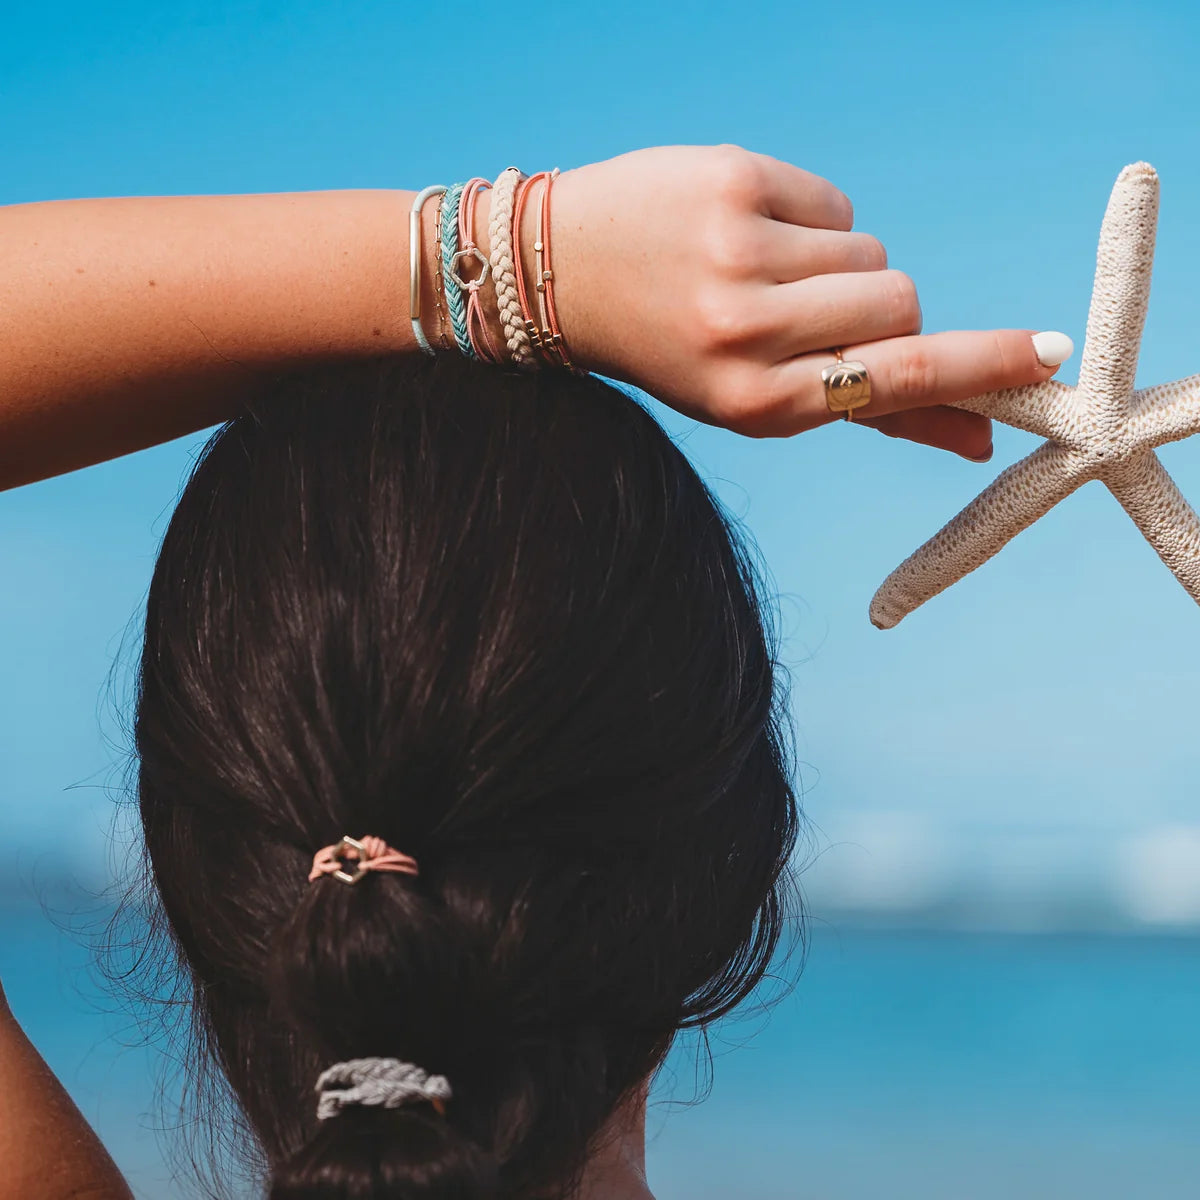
pixel 798 197
pixel 911 372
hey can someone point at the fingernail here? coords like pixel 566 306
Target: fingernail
pixel 1052 347
pixel 980 458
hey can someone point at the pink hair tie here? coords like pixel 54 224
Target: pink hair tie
pixel 369 854
pixel 477 328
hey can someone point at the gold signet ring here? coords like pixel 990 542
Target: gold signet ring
pixel 847 386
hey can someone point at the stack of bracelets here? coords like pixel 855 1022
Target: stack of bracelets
pixel 529 341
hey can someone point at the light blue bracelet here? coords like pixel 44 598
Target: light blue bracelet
pixel 454 297
pixel 414 263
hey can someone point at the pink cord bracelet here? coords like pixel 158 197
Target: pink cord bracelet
pixel 477 331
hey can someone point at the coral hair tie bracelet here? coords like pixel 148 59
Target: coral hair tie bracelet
pixel 367 854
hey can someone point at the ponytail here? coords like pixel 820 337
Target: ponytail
pixel 383 1126
pixel 408 1153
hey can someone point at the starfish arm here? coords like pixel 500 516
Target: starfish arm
pixel 1167 412
pixel 1121 291
pixel 1041 408
pixel 1017 498
pixel 1149 495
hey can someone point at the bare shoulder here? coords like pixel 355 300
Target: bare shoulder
pixel 48 1149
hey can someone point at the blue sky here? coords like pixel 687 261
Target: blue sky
pixel 1024 744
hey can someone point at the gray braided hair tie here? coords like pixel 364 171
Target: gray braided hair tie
pixel 385 1081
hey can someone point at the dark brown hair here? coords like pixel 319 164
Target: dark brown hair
pixel 497 619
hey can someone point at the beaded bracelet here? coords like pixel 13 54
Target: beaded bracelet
pixel 506 266
pixel 535 334
pixel 439 284
pixel 552 337
pixel 414 263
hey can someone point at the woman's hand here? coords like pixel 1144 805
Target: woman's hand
pixel 719 279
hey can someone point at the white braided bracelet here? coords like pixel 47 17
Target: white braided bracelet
pixel 504 266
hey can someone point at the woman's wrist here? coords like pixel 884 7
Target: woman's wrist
pixel 525 261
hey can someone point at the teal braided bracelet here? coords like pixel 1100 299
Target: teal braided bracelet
pixel 454 297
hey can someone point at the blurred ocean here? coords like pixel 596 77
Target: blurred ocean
pixel 922 1064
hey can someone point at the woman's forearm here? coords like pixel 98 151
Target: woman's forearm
pixel 127 322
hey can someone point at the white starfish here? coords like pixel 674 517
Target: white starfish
pixel 1101 429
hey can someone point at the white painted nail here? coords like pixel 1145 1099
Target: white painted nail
pixel 1052 348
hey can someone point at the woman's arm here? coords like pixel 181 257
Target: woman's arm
pixel 47 1150
pixel 127 322
pixel 715 278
